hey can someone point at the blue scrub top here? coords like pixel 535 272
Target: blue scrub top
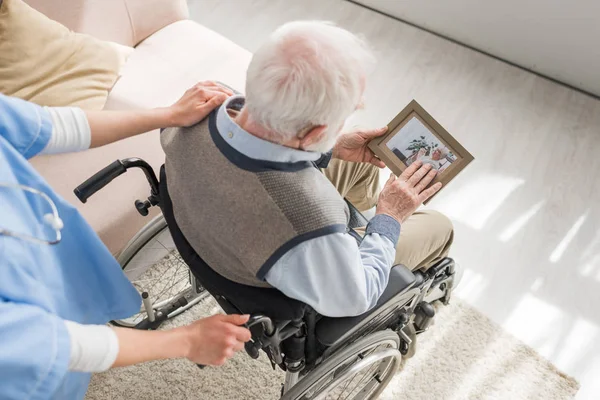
pixel 40 285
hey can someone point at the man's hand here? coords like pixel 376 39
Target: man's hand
pixel 197 102
pixel 214 340
pixel 353 146
pixel 401 196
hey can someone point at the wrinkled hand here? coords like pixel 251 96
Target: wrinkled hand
pixel 354 146
pixel 401 196
pixel 197 102
pixel 215 339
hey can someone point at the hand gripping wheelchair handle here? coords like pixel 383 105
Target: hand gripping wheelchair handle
pixel 110 172
pixel 269 329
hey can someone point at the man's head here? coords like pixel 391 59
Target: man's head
pixel 305 81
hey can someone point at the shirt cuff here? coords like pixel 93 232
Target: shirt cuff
pixel 385 226
pixel 323 162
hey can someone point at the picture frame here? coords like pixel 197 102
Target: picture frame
pixel 415 135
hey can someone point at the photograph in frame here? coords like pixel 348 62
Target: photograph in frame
pixel 415 135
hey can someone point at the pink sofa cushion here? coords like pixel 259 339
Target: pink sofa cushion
pixel 127 22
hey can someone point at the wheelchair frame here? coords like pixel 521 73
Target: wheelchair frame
pixel 288 343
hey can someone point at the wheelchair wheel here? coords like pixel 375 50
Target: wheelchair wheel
pixel 361 370
pixel 153 265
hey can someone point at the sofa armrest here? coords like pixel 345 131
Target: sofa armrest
pixel 149 16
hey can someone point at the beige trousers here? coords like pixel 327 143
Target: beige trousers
pixel 425 238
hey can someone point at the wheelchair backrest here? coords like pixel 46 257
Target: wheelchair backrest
pixel 246 299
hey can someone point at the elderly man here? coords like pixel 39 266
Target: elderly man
pixel 249 199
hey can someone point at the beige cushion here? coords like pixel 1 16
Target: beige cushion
pixel 157 73
pixel 44 62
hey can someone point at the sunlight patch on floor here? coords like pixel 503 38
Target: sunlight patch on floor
pixel 476 201
pixel 541 334
pixel 582 337
pixel 564 243
pixel 472 286
pixel 518 224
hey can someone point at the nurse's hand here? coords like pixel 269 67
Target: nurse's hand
pixel 197 102
pixel 209 341
pixel 214 340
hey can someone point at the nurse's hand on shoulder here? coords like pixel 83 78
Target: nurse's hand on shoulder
pixel 214 340
pixel 197 102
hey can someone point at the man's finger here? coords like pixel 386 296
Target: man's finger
pixel 373 133
pixel 419 174
pixel 391 179
pixel 430 192
pixel 377 162
pixel 408 172
pixel 426 181
pixel 429 177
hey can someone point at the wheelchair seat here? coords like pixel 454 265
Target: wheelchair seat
pixel 330 330
pixel 246 299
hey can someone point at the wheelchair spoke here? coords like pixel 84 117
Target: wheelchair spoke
pixel 366 375
pixel 157 268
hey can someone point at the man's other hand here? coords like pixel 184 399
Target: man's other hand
pixel 354 146
pixel 214 340
pixel 401 196
pixel 197 102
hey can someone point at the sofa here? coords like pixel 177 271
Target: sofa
pixel 171 54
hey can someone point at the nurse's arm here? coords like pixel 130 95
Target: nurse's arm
pixel 197 102
pixel 74 129
pixel 209 341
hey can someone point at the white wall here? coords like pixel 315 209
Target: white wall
pixel 556 38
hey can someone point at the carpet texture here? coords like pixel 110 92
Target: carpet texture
pixel 463 356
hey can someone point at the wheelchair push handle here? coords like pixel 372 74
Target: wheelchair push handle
pixel 112 171
pixel 99 180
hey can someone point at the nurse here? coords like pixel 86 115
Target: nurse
pixel 59 285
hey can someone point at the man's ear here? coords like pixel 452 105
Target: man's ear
pixel 314 135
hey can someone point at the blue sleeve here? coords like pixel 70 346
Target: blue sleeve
pixel 27 127
pixel 34 351
pixel 334 275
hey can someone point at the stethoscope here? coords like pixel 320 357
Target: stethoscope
pixel 51 219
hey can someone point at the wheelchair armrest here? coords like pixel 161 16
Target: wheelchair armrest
pixel 330 330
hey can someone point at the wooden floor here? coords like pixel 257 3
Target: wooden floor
pixel 526 212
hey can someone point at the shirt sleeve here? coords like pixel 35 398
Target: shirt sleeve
pixel 336 276
pixel 27 127
pixel 94 348
pixel 34 351
pixel 70 130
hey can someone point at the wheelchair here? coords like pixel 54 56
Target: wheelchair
pixel 322 357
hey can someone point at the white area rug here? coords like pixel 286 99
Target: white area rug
pixel 463 356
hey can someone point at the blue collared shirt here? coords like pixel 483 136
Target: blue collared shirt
pixel 332 273
pixel 42 285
